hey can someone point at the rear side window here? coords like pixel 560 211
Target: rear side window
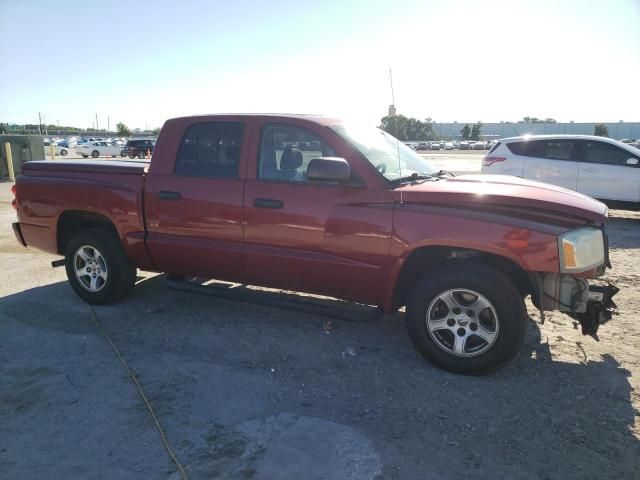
pixel 601 152
pixel 210 149
pixel 527 148
pixel 558 150
pixel 495 145
pixel 552 149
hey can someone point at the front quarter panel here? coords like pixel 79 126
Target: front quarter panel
pixel 532 246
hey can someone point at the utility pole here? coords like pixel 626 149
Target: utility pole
pixel 40 122
pixel 108 122
pixel 97 128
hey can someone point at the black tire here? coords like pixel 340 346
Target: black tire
pixel 121 274
pixel 64 152
pixel 95 154
pixel 141 155
pixel 85 156
pixel 505 299
pixel 132 155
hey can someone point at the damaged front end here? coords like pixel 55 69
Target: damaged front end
pixel 583 253
pixel 591 304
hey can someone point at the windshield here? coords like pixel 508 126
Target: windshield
pixel 382 151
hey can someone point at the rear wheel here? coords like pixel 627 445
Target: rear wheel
pixel 466 318
pixel 132 155
pixel 64 152
pixel 140 155
pixel 97 267
pixel 95 154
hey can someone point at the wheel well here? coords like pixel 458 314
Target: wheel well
pixel 71 222
pixel 425 259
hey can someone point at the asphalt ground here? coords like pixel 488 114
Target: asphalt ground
pixel 248 391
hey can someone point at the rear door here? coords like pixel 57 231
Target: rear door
pixel 605 174
pixel 194 203
pixel 551 161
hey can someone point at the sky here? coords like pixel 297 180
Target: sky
pixel 142 62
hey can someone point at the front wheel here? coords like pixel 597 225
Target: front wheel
pixel 466 318
pixel 95 154
pixel 97 267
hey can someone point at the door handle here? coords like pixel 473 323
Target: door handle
pixel 270 203
pixel 165 195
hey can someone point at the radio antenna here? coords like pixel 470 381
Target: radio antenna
pixel 392 113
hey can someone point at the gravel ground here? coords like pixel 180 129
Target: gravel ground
pixel 247 391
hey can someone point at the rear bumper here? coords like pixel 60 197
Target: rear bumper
pixel 18 232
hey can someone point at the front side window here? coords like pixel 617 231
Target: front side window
pixel 210 149
pixel 601 152
pixel 285 152
pixel 392 158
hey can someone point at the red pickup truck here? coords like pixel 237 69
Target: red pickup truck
pixel 312 204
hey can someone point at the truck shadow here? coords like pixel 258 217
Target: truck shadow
pixel 540 417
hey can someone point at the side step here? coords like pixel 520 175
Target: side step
pixel 324 307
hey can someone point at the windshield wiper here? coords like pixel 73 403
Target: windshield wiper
pixel 443 173
pixel 415 177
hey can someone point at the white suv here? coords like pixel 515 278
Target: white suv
pixel 600 167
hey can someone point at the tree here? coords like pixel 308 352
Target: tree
pixel 123 130
pixel 601 130
pixel 3 127
pixel 405 128
pixel 475 131
pixel 466 132
pixel 550 120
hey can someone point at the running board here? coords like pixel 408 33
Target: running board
pixel 324 307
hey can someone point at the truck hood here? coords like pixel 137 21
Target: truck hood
pixel 504 193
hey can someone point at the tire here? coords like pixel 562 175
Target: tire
pixel 95 154
pixel 85 156
pixel 500 326
pixel 141 155
pixel 64 152
pixel 102 253
pixel 132 155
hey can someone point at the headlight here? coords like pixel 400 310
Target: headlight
pixel 581 249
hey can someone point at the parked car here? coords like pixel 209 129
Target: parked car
pixel 98 149
pixel 600 167
pixel 448 146
pixel 59 149
pixel 464 145
pixel 435 146
pixel 422 146
pixel 138 148
pixel 479 146
pixel 362 218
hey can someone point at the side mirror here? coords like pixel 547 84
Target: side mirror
pixel 632 161
pixel 328 169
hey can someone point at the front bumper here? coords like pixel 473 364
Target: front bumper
pixel 18 233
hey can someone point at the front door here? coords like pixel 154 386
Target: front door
pixel 327 238
pixel 605 174
pixel 195 211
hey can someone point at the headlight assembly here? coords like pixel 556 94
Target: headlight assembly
pixel 581 249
